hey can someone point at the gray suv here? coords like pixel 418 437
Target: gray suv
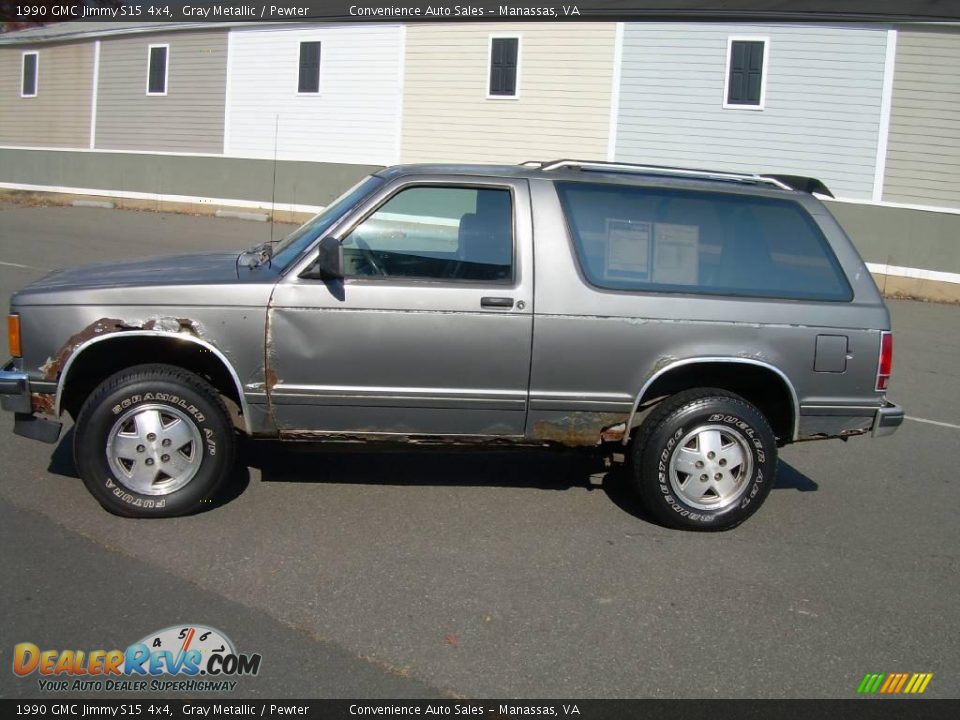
pixel 688 321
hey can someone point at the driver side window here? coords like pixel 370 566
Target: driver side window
pixel 435 233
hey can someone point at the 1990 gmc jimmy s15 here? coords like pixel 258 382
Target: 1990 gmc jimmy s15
pixel 691 320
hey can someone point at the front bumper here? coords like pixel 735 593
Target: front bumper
pixel 16 396
pixel 15 390
pixel 887 420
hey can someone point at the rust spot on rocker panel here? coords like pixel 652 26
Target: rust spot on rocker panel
pixel 360 436
pixel 842 435
pixel 582 429
pixel 586 429
pixel 106 326
pixel 614 433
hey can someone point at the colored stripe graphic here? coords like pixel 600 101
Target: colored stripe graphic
pixel 918 683
pixel 894 683
pixel 870 683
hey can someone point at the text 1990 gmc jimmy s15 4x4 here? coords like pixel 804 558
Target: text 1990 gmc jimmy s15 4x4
pixel 693 321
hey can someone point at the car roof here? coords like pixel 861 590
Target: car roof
pixel 621 173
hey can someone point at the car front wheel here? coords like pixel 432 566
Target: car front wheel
pixel 704 460
pixel 154 441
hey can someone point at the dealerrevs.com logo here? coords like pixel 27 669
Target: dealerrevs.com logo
pixel 199 658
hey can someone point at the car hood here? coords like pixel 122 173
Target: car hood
pixel 194 269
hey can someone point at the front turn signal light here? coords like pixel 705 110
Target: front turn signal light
pixel 13 334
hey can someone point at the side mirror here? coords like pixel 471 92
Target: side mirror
pixel 329 264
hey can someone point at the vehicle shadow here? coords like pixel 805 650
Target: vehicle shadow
pixel 534 469
pixel 404 466
pixel 617 485
pixel 61 459
pixel 396 465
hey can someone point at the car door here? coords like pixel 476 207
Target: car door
pixel 429 332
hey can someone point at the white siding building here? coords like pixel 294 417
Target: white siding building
pixel 816 111
pixel 351 116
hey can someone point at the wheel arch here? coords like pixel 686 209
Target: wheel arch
pixel 678 375
pixel 195 354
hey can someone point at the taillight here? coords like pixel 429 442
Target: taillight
pixel 885 364
pixel 13 334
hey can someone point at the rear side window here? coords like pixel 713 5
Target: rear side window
pixel 659 240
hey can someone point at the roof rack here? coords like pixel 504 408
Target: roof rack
pixel 783 182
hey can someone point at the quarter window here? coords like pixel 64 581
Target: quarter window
pixel 435 233
pixel 504 57
pixel 157 69
pixel 745 82
pixel 309 81
pixel 28 84
pixel 645 239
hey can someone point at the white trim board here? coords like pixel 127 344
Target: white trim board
pixel 882 269
pixel 44 148
pixel 164 197
pixel 93 95
pixel 401 72
pixel 897 205
pixel 227 94
pixel 615 94
pixel 916 273
pixel 886 103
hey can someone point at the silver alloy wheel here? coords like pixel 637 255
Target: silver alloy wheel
pixel 154 449
pixel 711 467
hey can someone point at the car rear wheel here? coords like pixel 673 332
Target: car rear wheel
pixel 154 441
pixel 704 459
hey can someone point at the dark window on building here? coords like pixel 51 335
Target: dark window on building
pixel 435 233
pixel 658 240
pixel 309 68
pixel 28 87
pixel 503 66
pixel 745 74
pixel 157 70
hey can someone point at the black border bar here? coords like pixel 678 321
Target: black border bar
pixel 159 709
pixel 22 13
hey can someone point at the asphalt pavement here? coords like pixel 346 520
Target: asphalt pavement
pixel 497 574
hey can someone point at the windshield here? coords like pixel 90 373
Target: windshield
pixel 290 248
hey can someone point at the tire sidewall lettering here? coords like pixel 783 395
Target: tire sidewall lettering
pixel 757 481
pixel 208 434
pixel 162 397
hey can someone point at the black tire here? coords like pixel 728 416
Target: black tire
pixel 172 395
pixel 706 413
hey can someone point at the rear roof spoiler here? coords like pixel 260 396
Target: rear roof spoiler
pixel 803 184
